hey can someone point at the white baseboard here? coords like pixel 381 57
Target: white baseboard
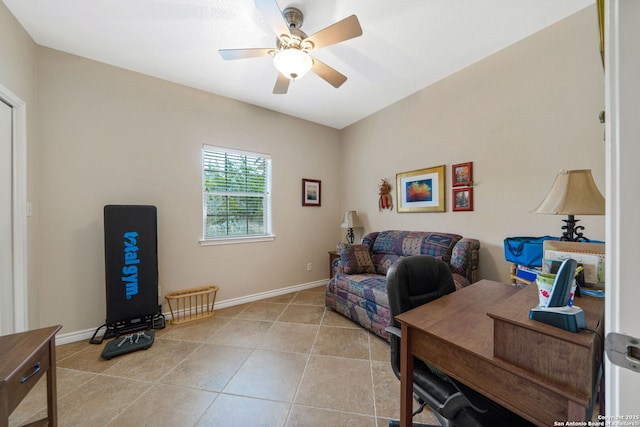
pixel 269 294
pixel 86 334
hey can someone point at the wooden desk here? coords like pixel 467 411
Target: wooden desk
pixel 24 358
pixel 455 334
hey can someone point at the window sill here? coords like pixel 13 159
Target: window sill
pixel 237 240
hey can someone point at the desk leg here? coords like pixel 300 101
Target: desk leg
pixel 4 417
pixel 406 379
pixel 52 398
pixel 576 411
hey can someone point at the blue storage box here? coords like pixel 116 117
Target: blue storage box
pixel 526 251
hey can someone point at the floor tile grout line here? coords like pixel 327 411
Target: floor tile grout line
pixel 319 325
pixel 169 371
pixel 70 355
pixel 253 349
pixel 373 387
pixel 306 365
pixel 286 307
pixel 43 404
pixel 177 364
pixel 339 411
pixel 237 370
pixel 151 384
pixel 290 404
pixel 304 371
pixel 207 408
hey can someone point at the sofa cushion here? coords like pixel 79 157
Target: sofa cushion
pixel 407 243
pixel 355 259
pixel 383 262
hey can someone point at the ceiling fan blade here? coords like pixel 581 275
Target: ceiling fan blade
pixel 343 30
pixel 331 76
pixel 228 54
pixel 272 12
pixel 282 85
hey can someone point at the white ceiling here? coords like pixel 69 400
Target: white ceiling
pixel 406 44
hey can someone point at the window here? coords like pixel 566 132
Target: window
pixel 236 195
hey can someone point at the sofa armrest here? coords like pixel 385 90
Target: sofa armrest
pixel 337 267
pixel 465 258
pixel 369 239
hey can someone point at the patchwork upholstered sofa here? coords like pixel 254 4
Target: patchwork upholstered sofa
pixel 358 289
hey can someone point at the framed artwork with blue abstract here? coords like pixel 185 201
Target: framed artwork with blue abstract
pixel 421 190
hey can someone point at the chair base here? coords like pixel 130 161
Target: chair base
pixel 445 423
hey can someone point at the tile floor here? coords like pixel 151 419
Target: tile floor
pixel 282 361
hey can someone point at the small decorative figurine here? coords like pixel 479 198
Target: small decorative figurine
pixel 384 190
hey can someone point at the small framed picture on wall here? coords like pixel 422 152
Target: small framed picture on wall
pixel 463 199
pixel 311 192
pixel 462 175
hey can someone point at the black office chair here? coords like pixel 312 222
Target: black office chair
pixel 414 281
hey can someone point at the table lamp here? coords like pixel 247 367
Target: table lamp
pixel 351 221
pixel 574 192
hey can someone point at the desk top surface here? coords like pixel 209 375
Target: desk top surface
pixel 465 317
pixel 516 311
pixel 461 317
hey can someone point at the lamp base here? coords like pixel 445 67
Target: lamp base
pixel 572 232
pixel 350 236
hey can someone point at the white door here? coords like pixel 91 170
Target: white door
pixel 622 104
pixel 7 325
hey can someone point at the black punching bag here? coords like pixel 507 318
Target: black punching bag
pixel 131 264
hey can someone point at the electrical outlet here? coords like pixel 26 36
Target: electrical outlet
pixel 309 266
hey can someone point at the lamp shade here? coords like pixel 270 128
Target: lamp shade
pixel 574 192
pixel 293 63
pixel 351 220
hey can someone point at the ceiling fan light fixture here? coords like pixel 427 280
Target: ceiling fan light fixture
pixel 292 63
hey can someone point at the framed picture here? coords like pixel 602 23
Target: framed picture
pixel 421 190
pixel 463 199
pixel 311 192
pixel 462 174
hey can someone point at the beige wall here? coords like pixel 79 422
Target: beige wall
pixel 110 136
pixel 520 115
pixel 18 73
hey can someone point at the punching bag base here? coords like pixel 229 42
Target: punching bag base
pixel 114 330
pixel 128 344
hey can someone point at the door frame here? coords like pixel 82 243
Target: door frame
pixel 622 90
pixel 19 214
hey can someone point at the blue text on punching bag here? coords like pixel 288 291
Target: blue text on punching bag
pixel 130 267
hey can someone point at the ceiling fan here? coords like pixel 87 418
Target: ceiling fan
pixel 291 56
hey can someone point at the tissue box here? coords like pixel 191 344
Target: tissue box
pixel 589 255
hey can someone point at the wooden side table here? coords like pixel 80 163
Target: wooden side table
pixel 24 359
pixel 332 255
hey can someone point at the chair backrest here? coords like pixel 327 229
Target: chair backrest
pixel 412 282
pixel 416 280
